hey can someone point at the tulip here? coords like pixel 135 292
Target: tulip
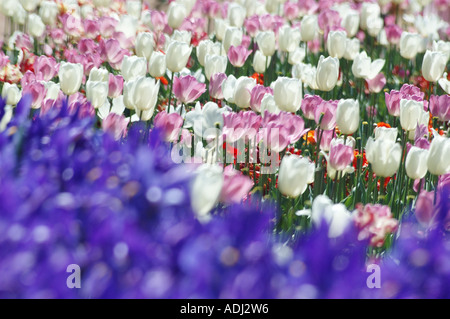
pixel 215 85
pixel 384 155
pixel 169 124
pixel 374 26
pixel 287 93
pixel 115 124
pixel 182 36
pixel 238 55
pixel 176 14
pixel 351 49
pixel 266 42
pixel 433 65
pixel 236 14
pixel 145 96
pixel 11 93
pixel 70 77
pixel 99 75
pixel 29 5
pixel 260 62
pixel 157 64
pixel 416 163
pixel 341 155
pixel 215 64
pixel 409 45
pixel 233 36
pixel 257 94
pixel 45 68
pixel 242 91
pixel 336 43
pixel 347 116
pixel 363 67
pixel 235 186
pixel 439 155
pixel 386 133
pixel 377 83
pixel 220 28
pixel 187 89
pixel 351 23
pixel 206 189
pixel 111 51
pixel 206 47
pixel 309 105
pixel 327 73
pixel 145 44
pixel 268 105
pixel 115 85
pixel 410 112
pixel 297 56
pixel 37 91
pixel 97 92
pixel 444 83
pixel 228 88
pixel 133 67
pixel 294 175
pixel 325 115
pixel 288 38
pixel 440 107
pixel 177 56
pixel 35 25
pixel 443 47
pixel 309 28
pixel 424 211
pixel 369 12
pixel 48 11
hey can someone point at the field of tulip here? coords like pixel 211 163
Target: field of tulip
pixel 225 149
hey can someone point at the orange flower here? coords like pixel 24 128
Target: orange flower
pixel 259 77
pixel 382 124
pixel 163 80
pixel 310 137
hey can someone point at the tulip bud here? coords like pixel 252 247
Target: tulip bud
pixel 439 155
pixel 295 174
pixel 309 28
pixel 233 37
pixel 99 75
pixel 215 64
pixel 145 45
pixel 133 67
pixel 11 93
pixel 35 25
pixel 176 14
pixel 266 42
pixel 236 14
pixel 260 62
pixel 409 44
pixel 177 56
pixel 48 11
pixel 327 73
pixel 352 47
pixel 187 89
pixel 384 156
pixel 410 112
pixel 145 94
pixel 287 93
pixel 238 55
pixel 97 92
pixel 347 116
pixel 70 77
pixel 242 91
pixel 336 43
pixel 351 23
pixel 433 65
pixel 288 38
pixel 206 189
pixel 157 64
pixel 416 163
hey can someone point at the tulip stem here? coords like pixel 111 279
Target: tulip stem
pixel 170 92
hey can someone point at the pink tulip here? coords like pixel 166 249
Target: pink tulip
pixel 309 105
pixel 266 22
pixel 169 124
pixel 116 125
pixel 328 20
pixel 88 46
pixel 424 208
pixel 91 61
pixel 37 91
pixel 58 36
pixel 187 89
pixel 23 41
pixel 215 85
pixel 393 102
pixel 4 59
pixel 159 20
pixel 440 107
pixel 28 78
pixel 115 85
pixel 242 124
pixel 275 136
pixel 107 26
pixel 412 90
pixel 78 103
pixel 45 68
pixel 235 186
pixel 291 10
pixel 91 28
pixel 325 141
pixel 111 52
pixel 340 156
pixel 257 95
pixel 393 33
pixel 377 83
pixel 71 25
pixel 325 115
pixel 252 25
pixel 238 55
